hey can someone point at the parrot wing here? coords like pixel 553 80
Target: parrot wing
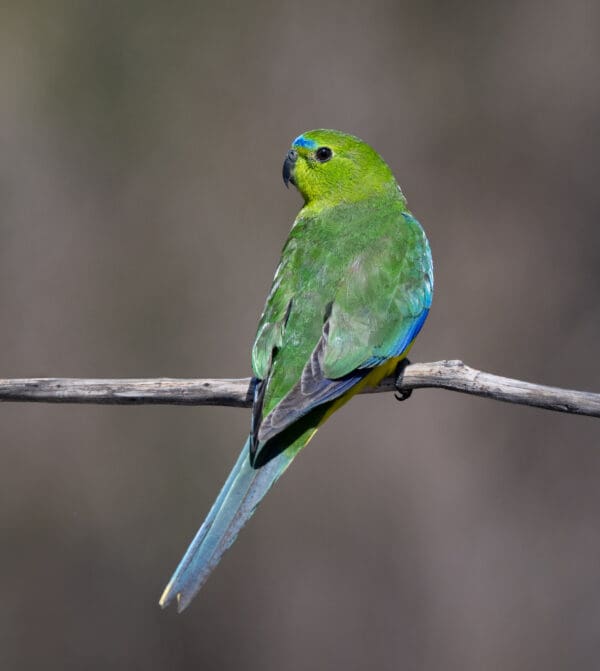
pixel 383 304
pixel 375 315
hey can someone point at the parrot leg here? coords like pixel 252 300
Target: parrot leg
pixel 402 394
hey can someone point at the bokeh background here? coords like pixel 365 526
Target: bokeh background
pixel 141 218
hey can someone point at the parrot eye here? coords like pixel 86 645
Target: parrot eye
pixel 323 154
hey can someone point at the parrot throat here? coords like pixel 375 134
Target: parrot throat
pixel 387 193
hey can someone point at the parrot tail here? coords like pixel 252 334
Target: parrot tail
pixel 241 493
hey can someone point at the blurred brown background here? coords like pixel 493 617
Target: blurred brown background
pixel 141 217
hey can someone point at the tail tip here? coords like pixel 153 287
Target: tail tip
pixel 167 598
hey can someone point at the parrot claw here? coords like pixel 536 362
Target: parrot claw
pixel 402 394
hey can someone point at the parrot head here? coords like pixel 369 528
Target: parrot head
pixel 329 167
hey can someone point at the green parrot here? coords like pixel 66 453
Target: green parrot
pixel 351 292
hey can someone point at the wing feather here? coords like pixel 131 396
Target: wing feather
pixel 375 309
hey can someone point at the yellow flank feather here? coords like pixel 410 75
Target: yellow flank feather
pixel 371 380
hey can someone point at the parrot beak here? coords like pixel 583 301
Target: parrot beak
pixel 288 167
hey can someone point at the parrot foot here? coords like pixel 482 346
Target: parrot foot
pixel 402 394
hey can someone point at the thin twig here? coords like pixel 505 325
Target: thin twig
pixel 452 375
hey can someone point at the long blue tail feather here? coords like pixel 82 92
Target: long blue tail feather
pixel 242 492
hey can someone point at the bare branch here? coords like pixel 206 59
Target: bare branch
pixel 452 375
pixel 164 391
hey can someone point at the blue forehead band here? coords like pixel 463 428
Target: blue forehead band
pixel 302 141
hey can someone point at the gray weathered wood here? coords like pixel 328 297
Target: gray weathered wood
pixel 452 375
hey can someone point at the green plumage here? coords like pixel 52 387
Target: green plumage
pixel 352 290
pixel 362 265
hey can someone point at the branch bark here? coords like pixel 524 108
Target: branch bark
pixel 453 375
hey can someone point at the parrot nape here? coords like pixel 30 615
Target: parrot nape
pixel 350 294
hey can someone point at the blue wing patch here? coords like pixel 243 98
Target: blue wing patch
pixel 400 345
